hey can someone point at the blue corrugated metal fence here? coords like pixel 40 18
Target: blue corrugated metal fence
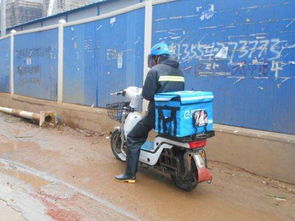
pixel 35 64
pixel 242 51
pixel 103 56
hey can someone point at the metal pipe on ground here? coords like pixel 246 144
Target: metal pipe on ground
pixel 44 118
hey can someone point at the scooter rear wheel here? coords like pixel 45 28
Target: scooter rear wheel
pixel 116 145
pixel 189 182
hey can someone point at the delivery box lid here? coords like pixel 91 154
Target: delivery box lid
pixel 185 97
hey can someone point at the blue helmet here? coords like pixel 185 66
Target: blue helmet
pixel 160 49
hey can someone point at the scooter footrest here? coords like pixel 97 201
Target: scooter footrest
pixel 147 146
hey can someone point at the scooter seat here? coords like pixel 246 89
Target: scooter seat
pixel 148 146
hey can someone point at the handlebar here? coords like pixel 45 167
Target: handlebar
pixel 121 92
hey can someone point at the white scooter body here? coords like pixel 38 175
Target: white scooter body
pixel 151 151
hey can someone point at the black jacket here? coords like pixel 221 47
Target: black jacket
pixel 163 77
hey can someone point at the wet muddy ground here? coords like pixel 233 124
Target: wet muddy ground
pixel 67 174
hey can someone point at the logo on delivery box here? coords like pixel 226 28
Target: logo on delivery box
pixel 200 116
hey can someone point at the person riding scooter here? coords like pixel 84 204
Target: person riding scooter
pixel 164 76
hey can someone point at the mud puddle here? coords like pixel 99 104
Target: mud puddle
pixel 34 181
pixel 56 198
pixel 17 146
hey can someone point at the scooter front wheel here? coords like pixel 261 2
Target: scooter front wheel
pixel 118 149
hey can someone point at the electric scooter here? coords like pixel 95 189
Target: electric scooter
pixel 184 159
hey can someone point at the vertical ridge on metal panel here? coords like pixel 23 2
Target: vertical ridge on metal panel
pixel 243 52
pixel 5 65
pixel 12 89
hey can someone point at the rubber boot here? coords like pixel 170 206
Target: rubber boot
pixel 130 174
pixel 123 178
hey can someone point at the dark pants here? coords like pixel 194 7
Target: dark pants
pixel 136 138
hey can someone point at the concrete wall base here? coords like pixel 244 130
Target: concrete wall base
pixel 263 153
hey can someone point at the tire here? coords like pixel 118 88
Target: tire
pixel 189 182
pixel 116 141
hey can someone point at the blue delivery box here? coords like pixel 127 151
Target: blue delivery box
pixel 183 113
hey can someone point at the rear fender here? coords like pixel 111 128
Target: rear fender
pixel 203 173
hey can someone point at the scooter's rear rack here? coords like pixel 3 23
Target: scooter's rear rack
pixel 196 137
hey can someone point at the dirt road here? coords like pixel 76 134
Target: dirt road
pixel 67 174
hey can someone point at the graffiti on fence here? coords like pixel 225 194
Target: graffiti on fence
pixel 29 68
pixel 256 59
